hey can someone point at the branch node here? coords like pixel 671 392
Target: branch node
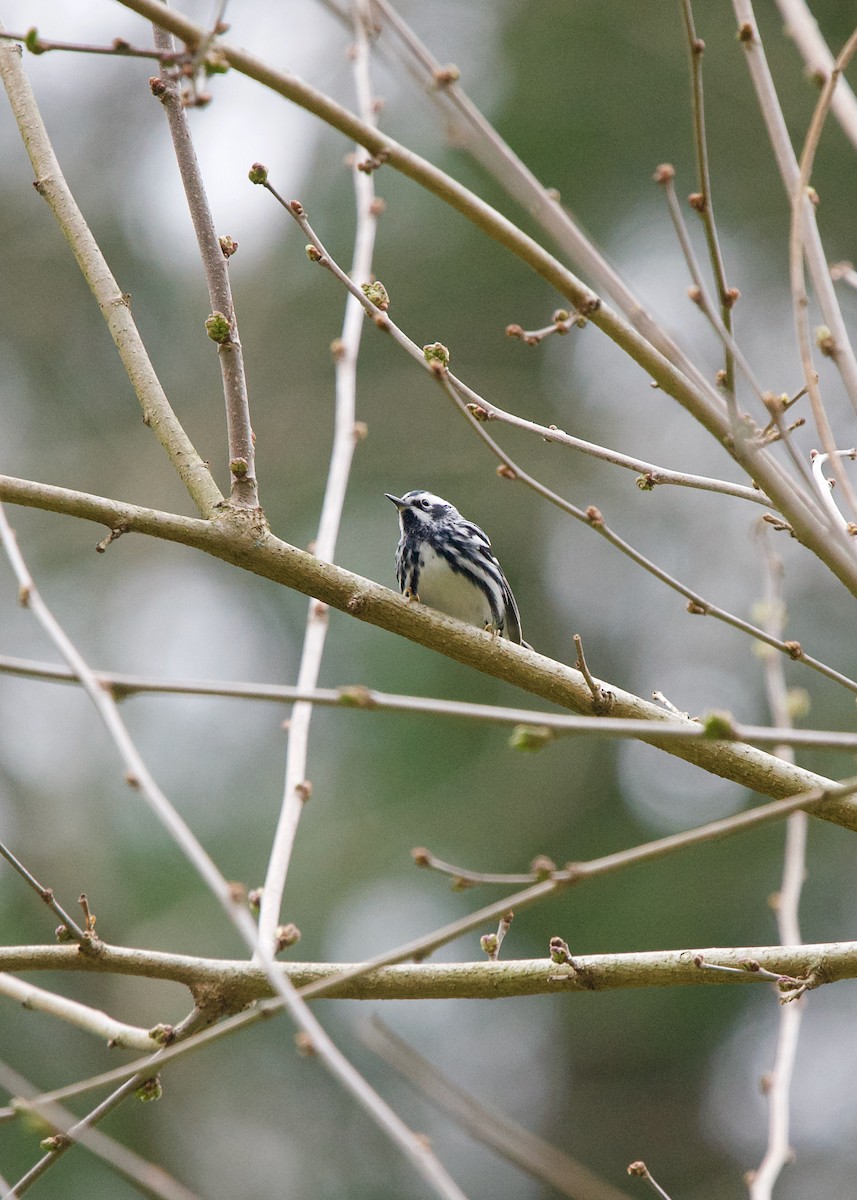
pixel 357 696
pixel 115 532
pixel 560 953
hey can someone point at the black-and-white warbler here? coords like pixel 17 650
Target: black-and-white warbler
pixel 448 564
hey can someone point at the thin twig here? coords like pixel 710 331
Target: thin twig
pixel 640 1169
pixel 766 94
pixel 73 1134
pixel 650 475
pixel 151 1179
pixel 488 1125
pixel 825 485
pixel 363 699
pixel 118 48
pixel 344 439
pixel 704 204
pixel 242 455
pixel 138 777
pixel 601 696
pixel 82 1016
pixel 573 873
pixel 778 1089
pixel 46 894
pixel 801 207
pixel 665 175
pixel 802 27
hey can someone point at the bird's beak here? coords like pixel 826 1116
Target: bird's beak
pixel 398 503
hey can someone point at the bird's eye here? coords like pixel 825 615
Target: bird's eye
pixel 425 503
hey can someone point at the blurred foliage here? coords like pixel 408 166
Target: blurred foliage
pixel 593 96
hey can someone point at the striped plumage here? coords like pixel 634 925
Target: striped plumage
pixel 447 563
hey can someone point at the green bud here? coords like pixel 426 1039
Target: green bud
pixel 149 1089
pixel 356 697
pixel 28 1119
pixel 286 936
pixel 376 294
pixel 258 173
pixel 798 702
pixel 825 341
pixel 490 944
pixel 436 354
pixel 312 253
pixel 559 951
pixel 719 726
pixel 215 63
pixel 217 328
pixel 56 1142
pixel 531 738
pixel 32 41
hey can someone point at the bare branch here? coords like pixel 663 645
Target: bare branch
pixel 704 203
pixel 802 27
pixel 787 904
pixel 364 699
pixel 665 176
pixel 242 453
pixel 118 48
pixel 92 1020
pixel 252 547
pixel 344 440
pixel 115 307
pixel 801 220
pixel 748 34
pixel 153 1180
pixel 71 927
pixel 823 963
pixel 488 1125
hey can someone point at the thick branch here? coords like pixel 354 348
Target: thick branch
pixel 246 542
pixel 238 981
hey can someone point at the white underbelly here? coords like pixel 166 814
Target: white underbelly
pixel 451 592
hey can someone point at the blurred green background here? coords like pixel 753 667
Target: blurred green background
pixel 593 96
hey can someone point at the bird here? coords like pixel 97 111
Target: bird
pixel 446 562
